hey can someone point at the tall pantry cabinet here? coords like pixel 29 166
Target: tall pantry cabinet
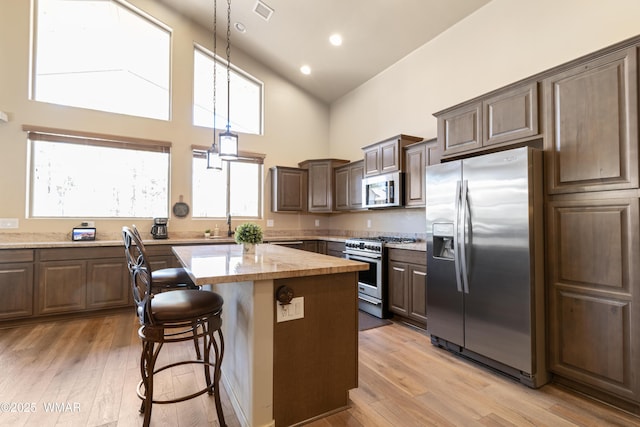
pixel 593 232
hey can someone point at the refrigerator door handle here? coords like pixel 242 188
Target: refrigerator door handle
pixel 456 249
pixel 463 245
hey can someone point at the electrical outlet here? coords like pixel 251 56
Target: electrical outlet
pixel 269 223
pixel 368 223
pixel 292 311
pixel 8 222
pixel 317 223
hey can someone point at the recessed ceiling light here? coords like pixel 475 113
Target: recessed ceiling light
pixel 335 39
pixel 239 26
pixel 305 69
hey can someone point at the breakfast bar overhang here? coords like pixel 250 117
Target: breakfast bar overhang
pixel 290 372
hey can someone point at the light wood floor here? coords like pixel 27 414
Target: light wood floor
pixel 91 366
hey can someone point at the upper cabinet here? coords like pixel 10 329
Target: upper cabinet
pixel 348 186
pixel 320 184
pixel 386 156
pixel 592 128
pixel 416 158
pixel 504 117
pixel 288 189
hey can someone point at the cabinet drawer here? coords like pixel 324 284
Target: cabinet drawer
pixel 405 255
pixel 16 255
pixel 64 254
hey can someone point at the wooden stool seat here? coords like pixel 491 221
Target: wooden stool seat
pixel 181 305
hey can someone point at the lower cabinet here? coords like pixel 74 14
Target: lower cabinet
pixel 594 294
pixel 407 279
pixel 16 283
pixel 335 249
pixel 80 279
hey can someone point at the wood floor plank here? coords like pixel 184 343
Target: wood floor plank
pixel 403 381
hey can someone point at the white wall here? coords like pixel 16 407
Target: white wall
pixel 503 42
pixel 296 124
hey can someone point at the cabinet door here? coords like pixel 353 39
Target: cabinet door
pixel 310 246
pixel 288 190
pixel 342 188
pixel 511 115
pixel 372 161
pixel 107 283
pixel 390 160
pixel 16 288
pixel 591 139
pixel 460 129
pixel 356 173
pixel 594 292
pixel 416 161
pixel 320 182
pixel 418 293
pixel 398 288
pixel 61 286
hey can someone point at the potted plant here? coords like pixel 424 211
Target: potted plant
pixel 207 233
pixel 248 234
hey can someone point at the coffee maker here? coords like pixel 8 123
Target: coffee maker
pixel 159 229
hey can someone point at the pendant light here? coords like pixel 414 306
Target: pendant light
pixel 228 141
pixel 213 155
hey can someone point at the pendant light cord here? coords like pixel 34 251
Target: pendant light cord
pixel 228 65
pixel 215 45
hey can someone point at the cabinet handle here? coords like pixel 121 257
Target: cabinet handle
pixel 398 269
pixel 420 273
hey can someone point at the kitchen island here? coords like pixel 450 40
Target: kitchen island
pixel 289 372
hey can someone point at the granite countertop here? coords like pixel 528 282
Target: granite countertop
pixel 211 264
pixel 44 242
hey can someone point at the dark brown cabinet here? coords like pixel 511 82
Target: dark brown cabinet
pixel 592 125
pixel 594 292
pixel 504 117
pixel 593 230
pixel 320 183
pixel 407 278
pixel 386 156
pixel 335 249
pixel 79 279
pixel 348 186
pixel 288 189
pixel 16 283
pixel 417 157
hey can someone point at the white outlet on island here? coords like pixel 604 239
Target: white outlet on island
pixel 292 311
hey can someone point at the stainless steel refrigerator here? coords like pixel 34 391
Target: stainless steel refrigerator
pixel 485 275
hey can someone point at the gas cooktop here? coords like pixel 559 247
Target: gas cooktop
pixel 385 239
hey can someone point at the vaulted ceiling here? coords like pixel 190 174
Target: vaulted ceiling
pixel 376 34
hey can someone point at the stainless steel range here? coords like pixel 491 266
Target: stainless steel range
pixel 372 283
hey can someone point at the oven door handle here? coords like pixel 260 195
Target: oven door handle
pixel 370 300
pixel 361 258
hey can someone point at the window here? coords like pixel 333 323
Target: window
pixel 88 177
pixel 246 96
pixel 101 55
pixel 236 189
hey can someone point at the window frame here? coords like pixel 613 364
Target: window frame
pixel 150 19
pixel 222 113
pixel 198 151
pixel 37 133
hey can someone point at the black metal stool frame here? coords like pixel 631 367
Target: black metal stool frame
pixel 154 332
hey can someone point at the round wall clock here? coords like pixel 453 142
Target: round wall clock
pixel 181 209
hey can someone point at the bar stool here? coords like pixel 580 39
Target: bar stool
pixel 167 279
pixel 171 317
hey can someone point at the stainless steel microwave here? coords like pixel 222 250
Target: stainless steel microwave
pixel 383 191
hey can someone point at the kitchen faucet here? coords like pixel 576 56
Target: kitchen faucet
pixel 229 232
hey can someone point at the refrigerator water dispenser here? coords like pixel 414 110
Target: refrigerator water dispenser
pixel 443 240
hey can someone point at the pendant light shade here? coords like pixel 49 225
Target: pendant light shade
pixel 214 161
pixel 228 145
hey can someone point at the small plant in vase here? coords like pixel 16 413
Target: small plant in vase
pixel 248 234
pixel 207 233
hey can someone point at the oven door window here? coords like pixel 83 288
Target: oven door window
pixel 370 276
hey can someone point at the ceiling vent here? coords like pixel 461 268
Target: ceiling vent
pixel 263 10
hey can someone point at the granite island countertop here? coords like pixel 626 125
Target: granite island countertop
pixel 213 264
